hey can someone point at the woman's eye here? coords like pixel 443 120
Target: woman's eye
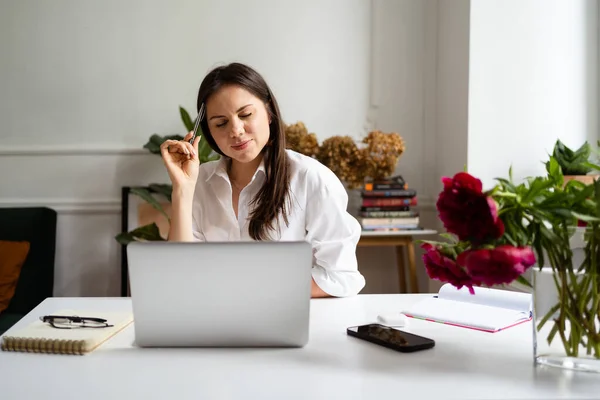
pixel 245 115
pixel 219 125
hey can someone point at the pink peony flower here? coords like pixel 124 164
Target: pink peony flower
pixel 500 265
pixel 445 269
pixel 466 211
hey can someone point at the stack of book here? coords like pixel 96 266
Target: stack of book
pixel 387 206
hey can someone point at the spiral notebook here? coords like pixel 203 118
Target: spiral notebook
pixel 489 310
pixel 40 337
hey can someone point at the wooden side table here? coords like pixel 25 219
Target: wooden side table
pixel 400 240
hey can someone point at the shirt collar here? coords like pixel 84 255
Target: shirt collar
pixel 220 169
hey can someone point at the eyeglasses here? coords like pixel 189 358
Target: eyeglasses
pixel 74 322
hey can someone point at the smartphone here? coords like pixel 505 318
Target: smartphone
pixel 391 338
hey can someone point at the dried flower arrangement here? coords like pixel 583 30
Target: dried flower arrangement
pixel 354 165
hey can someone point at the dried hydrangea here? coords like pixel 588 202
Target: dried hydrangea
pixel 382 153
pixel 341 155
pixel 299 140
pixel 377 159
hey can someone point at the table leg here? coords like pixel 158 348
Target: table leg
pixel 401 271
pixel 412 268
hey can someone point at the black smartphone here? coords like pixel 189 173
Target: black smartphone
pixel 391 338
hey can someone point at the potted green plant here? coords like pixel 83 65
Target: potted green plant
pixel 575 164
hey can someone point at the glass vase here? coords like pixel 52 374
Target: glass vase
pixel 566 313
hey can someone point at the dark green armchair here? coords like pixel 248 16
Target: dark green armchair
pixel 37 225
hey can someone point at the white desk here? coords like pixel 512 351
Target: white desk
pixel 464 364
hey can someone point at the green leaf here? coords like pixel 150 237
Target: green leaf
pixel 147 196
pixel 597 195
pixel 165 190
pixel 204 149
pixel 583 152
pixel 187 121
pixel 507 184
pixel 549 235
pixel 452 238
pixel 554 171
pixel 537 186
pixel 435 243
pixel 509 238
pixel 572 162
pixel 574 184
pixel 563 212
pixel 591 166
pixel 586 218
pixel 523 281
pixel 153 145
pixel 582 190
pixel 148 232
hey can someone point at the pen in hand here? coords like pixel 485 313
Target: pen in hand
pixel 197 124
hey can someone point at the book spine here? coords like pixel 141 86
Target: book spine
pixel 377 202
pixel 385 186
pixel 390 193
pixel 389 214
pixel 403 208
pixel 389 221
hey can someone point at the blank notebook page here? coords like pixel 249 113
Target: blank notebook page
pixel 466 314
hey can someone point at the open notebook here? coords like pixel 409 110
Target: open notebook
pixel 489 310
pixel 40 337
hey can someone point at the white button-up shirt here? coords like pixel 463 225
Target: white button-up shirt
pixel 317 214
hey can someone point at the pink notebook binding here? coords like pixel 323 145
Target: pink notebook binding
pixel 489 310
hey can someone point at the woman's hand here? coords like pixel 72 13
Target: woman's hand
pixel 182 162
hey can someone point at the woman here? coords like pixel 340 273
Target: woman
pixel 259 190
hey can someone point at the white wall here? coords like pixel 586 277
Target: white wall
pixel 85 84
pixel 452 94
pixel 110 73
pixel 402 99
pixel 419 88
pixel 532 79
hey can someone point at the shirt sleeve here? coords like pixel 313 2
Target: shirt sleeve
pixel 333 233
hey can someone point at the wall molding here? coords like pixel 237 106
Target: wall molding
pixel 27 151
pixel 113 206
pixel 67 206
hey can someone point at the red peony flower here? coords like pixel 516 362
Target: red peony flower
pixel 466 211
pixel 444 269
pixel 463 181
pixel 502 264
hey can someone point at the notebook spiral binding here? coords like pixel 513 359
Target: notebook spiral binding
pixel 40 345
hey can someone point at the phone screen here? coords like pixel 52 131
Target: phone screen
pixel 390 337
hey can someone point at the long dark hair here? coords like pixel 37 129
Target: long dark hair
pixel 271 200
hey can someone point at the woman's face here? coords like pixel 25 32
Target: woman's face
pixel 238 122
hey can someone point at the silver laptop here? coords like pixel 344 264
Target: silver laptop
pixel 230 294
